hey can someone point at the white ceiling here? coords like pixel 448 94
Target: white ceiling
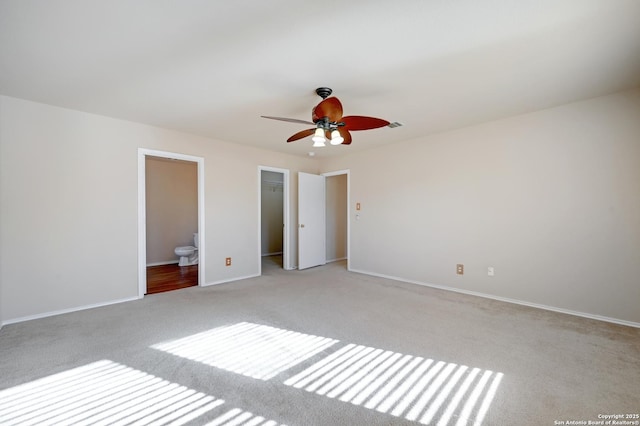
pixel 213 67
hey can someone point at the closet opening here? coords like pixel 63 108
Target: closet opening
pixel 337 217
pixel 273 218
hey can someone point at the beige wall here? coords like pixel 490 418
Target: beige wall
pixel 171 207
pixel 336 196
pixel 272 212
pixel 551 200
pixel 68 194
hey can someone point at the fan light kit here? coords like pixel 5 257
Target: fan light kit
pixel 330 124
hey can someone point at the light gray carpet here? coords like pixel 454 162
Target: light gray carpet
pixel 316 347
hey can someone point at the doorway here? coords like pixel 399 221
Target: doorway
pixel 273 212
pixel 337 217
pixel 166 173
pixel 323 218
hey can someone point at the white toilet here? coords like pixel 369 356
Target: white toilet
pixel 188 254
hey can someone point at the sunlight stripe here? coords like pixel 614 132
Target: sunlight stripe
pixel 415 388
pixel 370 377
pixel 100 393
pixel 176 398
pixel 220 420
pixel 431 390
pixel 56 381
pixel 455 401
pixel 488 398
pixel 362 396
pixel 253 350
pixel 348 372
pixel 236 416
pixel 411 388
pixel 84 395
pixel 442 395
pixel 400 385
pixel 309 374
pixel 353 381
pixel 51 395
pixel 391 385
pixel 472 399
pixel 256 421
pixel 111 407
pixel 359 352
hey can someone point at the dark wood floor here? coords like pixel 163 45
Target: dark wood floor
pixel 170 277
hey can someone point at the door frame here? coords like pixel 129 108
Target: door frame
pixel 286 218
pixel 348 173
pixel 142 213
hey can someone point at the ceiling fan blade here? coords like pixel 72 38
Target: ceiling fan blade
pixel 358 122
pixel 290 120
pixel 330 107
pixel 301 134
pixel 346 135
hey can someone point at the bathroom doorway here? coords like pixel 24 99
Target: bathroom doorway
pixel 273 218
pixel 171 214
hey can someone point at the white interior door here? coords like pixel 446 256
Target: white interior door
pixel 311 221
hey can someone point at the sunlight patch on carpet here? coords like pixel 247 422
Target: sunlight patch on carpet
pixel 102 393
pixel 417 389
pixel 236 416
pixel 253 350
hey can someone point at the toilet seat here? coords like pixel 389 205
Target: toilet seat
pixel 187 250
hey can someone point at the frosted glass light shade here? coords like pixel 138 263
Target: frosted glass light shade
pixel 318 143
pixel 336 139
pixel 318 138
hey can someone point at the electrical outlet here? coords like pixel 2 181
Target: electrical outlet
pixel 227 261
pixel 490 271
pixel 460 269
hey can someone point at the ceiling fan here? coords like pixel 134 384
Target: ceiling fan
pixel 329 122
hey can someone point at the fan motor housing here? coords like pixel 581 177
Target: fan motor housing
pixel 323 92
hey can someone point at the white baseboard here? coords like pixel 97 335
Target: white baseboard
pixel 271 254
pixel 506 299
pixel 336 260
pixel 171 262
pixel 229 280
pixel 67 311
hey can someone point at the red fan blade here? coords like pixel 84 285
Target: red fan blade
pixel 290 120
pixel 330 107
pixel 358 122
pixel 345 134
pixel 302 134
